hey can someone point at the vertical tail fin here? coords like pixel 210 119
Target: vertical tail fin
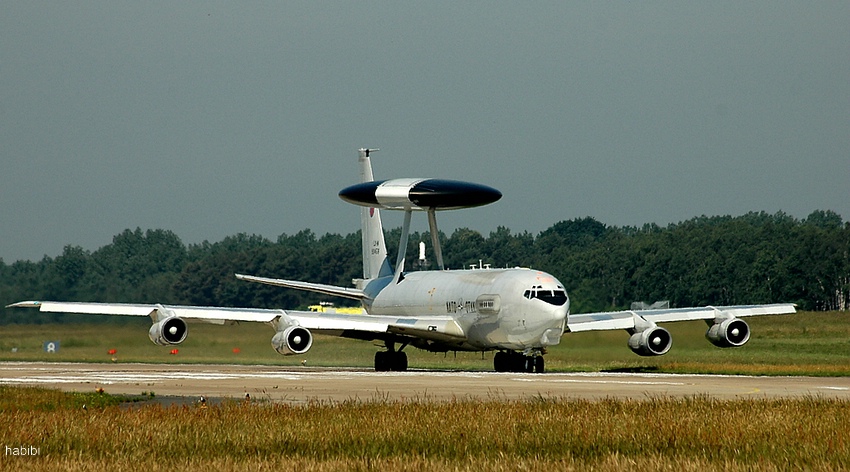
pixel 375 261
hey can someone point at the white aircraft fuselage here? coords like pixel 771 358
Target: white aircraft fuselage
pixel 516 309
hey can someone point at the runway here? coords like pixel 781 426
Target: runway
pixel 302 385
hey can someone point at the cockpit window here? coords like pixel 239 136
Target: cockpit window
pixel 553 297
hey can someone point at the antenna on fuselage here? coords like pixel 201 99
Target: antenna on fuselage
pixel 423 261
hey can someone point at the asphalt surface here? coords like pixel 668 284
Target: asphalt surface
pixel 182 383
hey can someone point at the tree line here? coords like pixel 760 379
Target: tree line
pixel 721 260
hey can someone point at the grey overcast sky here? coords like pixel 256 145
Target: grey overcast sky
pixel 215 118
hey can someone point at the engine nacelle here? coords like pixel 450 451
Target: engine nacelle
pixel 733 332
pixel 292 340
pixel 169 331
pixel 653 341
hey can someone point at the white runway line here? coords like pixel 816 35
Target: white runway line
pixel 605 382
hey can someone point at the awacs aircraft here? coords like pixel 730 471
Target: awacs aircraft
pixel 516 312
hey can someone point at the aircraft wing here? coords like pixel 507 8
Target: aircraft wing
pixel 627 319
pixel 202 313
pixel 437 328
pixel 333 290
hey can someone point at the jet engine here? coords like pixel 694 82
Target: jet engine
pixel 292 340
pixel 732 332
pixel 171 330
pixel 652 341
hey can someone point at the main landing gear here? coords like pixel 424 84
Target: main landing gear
pixel 512 361
pixel 391 360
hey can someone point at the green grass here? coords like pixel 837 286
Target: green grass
pixel 28 399
pixel 801 344
pixel 697 433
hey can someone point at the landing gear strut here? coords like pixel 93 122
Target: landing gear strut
pixel 512 361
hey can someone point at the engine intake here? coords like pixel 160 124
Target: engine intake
pixel 292 340
pixel 169 331
pixel 733 332
pixel 653 341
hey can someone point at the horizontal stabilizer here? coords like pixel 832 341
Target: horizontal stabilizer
pixel 333 290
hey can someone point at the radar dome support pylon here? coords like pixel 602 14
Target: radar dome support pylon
pixel 435 238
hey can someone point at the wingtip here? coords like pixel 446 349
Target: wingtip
pixel 26 304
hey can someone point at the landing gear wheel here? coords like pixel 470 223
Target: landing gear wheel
pixel 501 362
pixel 382 361
pixel 386 361
pixel 519 362
pixel 512 361
pixel 398 361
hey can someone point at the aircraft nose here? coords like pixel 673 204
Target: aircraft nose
pixel 562 315
pixel 563 311
pixel 556 326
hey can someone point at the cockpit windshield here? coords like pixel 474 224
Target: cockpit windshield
pixel 556 297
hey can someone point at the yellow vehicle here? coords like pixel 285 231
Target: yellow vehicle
pixel 328 307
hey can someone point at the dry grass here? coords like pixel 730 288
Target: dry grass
pixel 656 433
